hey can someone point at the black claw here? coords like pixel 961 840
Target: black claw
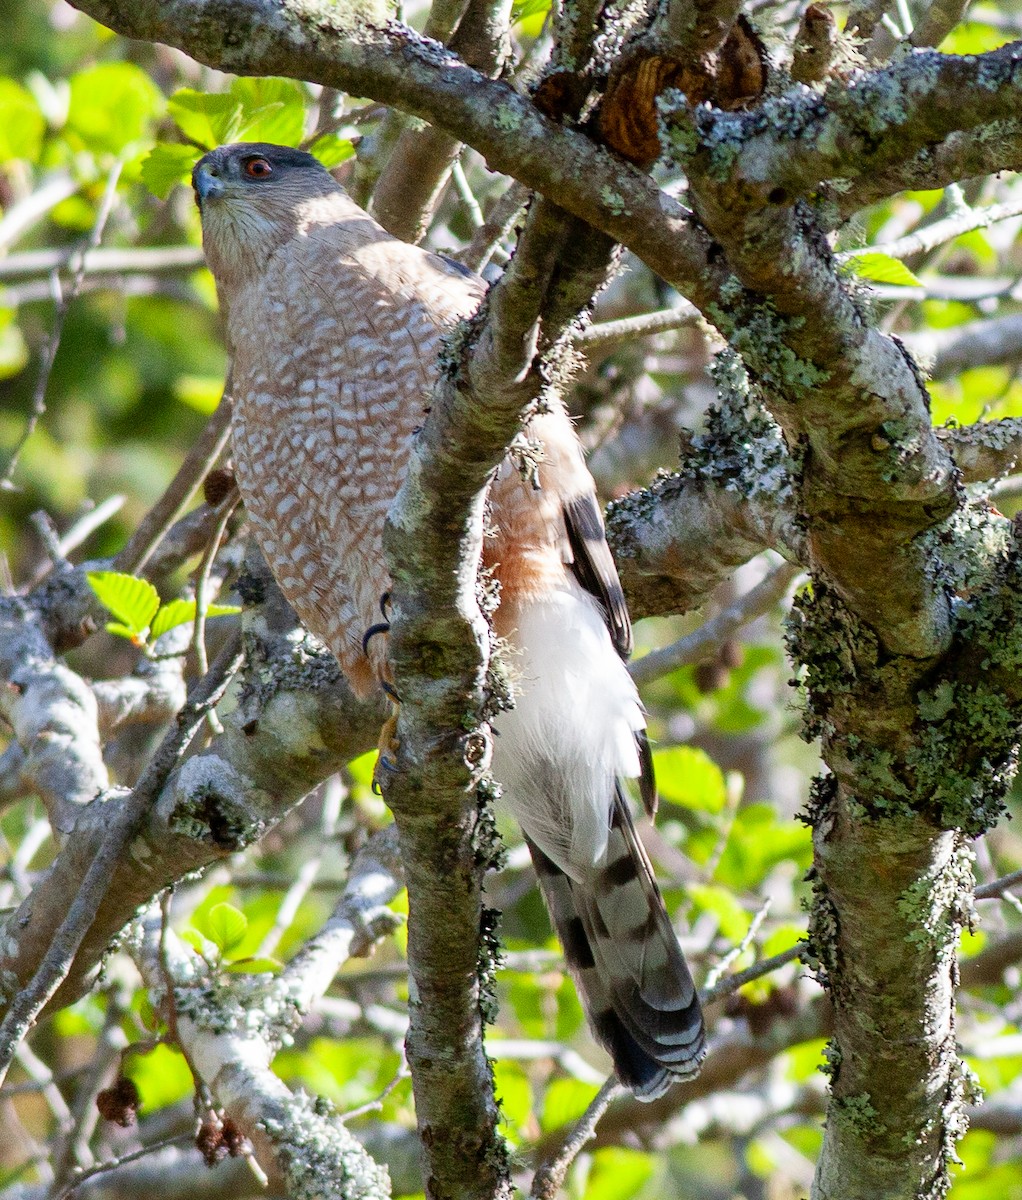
pixel 371 632
pixel 391 691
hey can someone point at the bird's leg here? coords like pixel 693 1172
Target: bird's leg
pixel 388 743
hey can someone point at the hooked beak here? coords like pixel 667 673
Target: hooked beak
pixel 207 184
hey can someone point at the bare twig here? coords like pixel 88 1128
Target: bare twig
pixel 609 333
pixel 172 504
pixel 732 983
pixel 549 1178
pixel 921 241
pixel 111 1164
pixel 724 625
pixel 64 302
pixel 143 260
pixel 997 887
pixel 495 228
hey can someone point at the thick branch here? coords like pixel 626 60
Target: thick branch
pixel 886 116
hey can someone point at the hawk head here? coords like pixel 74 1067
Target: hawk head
pixel 254 197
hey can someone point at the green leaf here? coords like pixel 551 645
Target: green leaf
pixel 208 118
pixel 882 268
pixel 162 1076
pixel 182 612
pixel 254 966
pixel 332 150
pixel 529 16
pixel 124 631
pixel 177 612
pixel 689 777
pixel 13 350
pixel 112 105
pixel 225 926
pixel 132 601
pixel 23 125
pixel 167 165
pixel 618 1174
pixel 565 1101
pixel 273 110
pixel 201 392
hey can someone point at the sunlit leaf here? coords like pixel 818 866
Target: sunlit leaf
pixel 332 150
pixel 882 268
pixel 687 776
pixel 225 926
pixel 132 601
pixel 254 966
pixel 272 110
pixel 514 1093
pixel 23 124
pixel 182 612
pixel 13 350
pixel 112 105
pixel 618 1174
pixel 167 165
pixel 208 118
pixel 201 392
pixel 564 1101
pixel 161 1076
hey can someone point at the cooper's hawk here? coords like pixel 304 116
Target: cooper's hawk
pixel 335 328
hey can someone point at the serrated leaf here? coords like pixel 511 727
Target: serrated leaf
pixel 182 612
pixel 133 601
pixel 253 966
pixel 332 150
pixel 177 612
pixel 167 165
pixel 272 110
pixel 882 268
pixel 225 926
pixel 208 118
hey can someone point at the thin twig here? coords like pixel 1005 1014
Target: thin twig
pixel 142 260
pixel 609 333
pixel 731 983
pixel 466 195
pixel 172 504
pixel 111 1164
pixel 65 300
pixel 996 889
pixel 736 951
pixel 224 513
pixel 495 228
pixel 549 1179
pixel 921 241
pixel 697 645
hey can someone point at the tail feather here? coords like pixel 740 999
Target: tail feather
pixel 576 729
pixel 623 954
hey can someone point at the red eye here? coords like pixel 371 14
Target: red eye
pixel 257 168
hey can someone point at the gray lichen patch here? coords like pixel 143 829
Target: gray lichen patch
pixel 322 1160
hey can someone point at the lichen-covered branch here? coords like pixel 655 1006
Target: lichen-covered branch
pixel 295 724
pixel 229 1033
pixel 787 147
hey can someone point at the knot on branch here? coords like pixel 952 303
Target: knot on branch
pixel 730 78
